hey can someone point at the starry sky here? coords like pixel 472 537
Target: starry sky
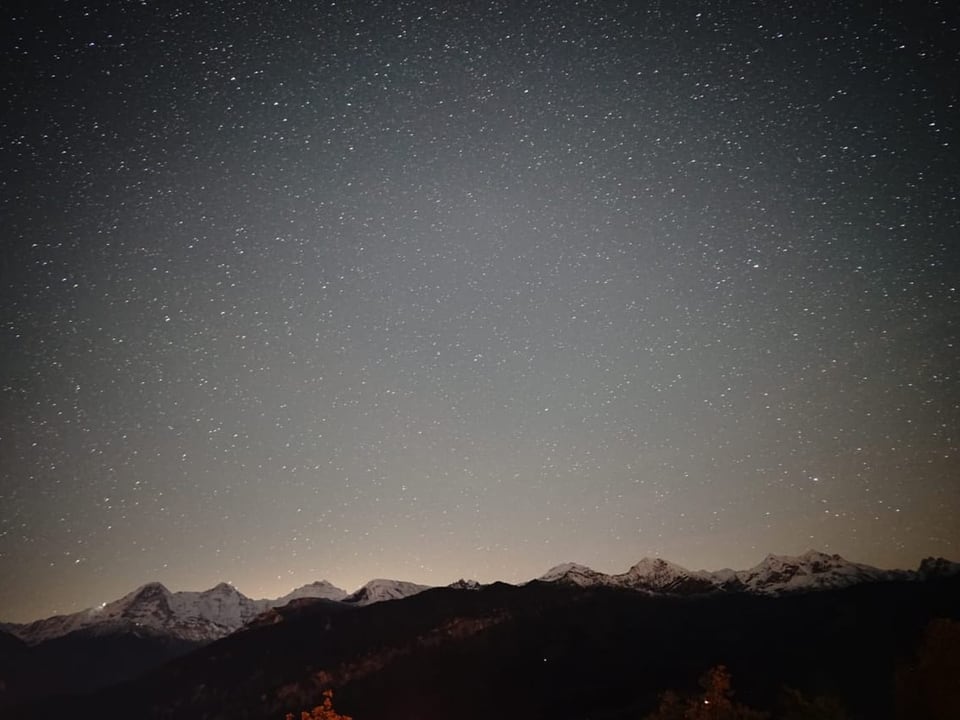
pixel 306 290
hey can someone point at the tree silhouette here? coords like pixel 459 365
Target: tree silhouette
pixel 324 711
pixel 715 702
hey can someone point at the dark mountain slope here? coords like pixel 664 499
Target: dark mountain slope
pixel 12 652
pixel 87 660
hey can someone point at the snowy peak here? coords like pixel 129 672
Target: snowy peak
pixel 811 571
pixel 195 616
pixel 321 589
pixel 775 575
pixel 153 595
pixel 40 630
pixel 151 589
pixel 657 575
pixel 574 574
pixel 648 575
pixel 147 602
pixel 381 590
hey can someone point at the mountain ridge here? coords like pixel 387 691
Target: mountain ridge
pixel 196 616
pixel 774 575
pixel 203 616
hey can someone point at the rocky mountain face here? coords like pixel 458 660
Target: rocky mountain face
pixel 463 584
pixel 932 567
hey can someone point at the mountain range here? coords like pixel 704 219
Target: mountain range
pixel 565 645
pixel 205 616
pixel 775 575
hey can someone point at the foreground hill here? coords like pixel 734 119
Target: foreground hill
pixel 544 650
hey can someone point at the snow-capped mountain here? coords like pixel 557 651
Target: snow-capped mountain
pixel 222 610
pixel 187 615
pixel 813 570
pixel 320 589
pixel 659 576
pixel 775 575
pixel 574 574
pixel 651 575
pixel 196 616
pixel 152 608
pixel 380 590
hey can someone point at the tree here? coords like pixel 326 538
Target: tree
pixel 715 702
pixel 323 711
pixel 672 707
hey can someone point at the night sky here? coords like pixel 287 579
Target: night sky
pixel 292 291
